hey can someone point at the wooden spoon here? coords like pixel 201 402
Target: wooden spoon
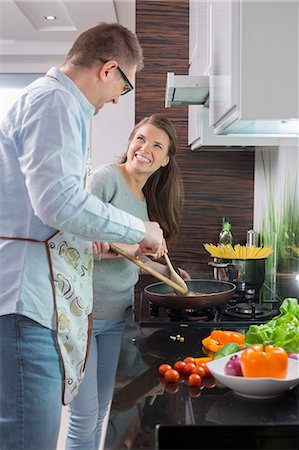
pixel 174 276
pixel 178 288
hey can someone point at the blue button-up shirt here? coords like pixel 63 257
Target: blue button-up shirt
pixel 43 152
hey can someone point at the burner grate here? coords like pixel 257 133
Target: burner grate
pixel 249 311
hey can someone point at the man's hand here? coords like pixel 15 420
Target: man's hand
pixel 160 252
pixel 152 243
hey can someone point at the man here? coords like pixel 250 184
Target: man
pixel 47 224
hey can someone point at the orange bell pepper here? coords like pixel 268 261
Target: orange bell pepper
pixel 211 344
pixel 264 361
pixel 208 352
pixel 225 337
pixel 218 338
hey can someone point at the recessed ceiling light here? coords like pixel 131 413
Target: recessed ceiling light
pixel 50 17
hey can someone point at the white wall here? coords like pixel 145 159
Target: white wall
pixel 110 130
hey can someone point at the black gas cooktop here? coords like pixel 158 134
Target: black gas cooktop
pixel 245 308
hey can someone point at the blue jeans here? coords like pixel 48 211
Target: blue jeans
pixel 87 411
pixel 30 385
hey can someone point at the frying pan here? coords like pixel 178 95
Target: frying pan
pixel 207 294
pixel 178 288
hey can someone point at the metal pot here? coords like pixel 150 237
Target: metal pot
pixel 207 294
pixel 247 273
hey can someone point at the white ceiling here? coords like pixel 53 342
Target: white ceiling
pixel 26 36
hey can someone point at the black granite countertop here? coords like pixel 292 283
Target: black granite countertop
pixel 141 401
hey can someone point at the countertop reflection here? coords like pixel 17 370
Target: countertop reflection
pixel 141 400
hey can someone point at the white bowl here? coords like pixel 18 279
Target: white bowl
pixel 255 387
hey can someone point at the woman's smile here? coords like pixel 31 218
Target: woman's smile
pixel 142 158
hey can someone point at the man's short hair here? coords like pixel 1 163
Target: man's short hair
pixel 106 41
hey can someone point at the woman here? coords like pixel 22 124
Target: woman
pixel 146 183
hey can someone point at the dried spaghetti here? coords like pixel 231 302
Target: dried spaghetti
pixel 238 252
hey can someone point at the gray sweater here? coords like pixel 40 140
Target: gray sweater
pixel 114 279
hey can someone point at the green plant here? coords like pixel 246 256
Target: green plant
pixel 280 228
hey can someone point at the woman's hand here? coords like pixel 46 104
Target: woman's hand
pixel 101 250
pixel 183 274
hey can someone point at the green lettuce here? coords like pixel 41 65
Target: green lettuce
pixel 281 331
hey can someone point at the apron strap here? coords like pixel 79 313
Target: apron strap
pixel 13 238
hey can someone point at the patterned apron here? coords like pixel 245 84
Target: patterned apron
pixel 71 267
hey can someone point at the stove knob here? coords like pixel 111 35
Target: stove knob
pixel 153 310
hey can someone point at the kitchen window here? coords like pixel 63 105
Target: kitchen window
pixel 10 86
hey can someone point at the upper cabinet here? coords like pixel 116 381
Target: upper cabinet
pixel 249 50
pixel 199 34
pixel 254 67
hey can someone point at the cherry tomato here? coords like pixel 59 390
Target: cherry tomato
pixel 194 379
pixel 200 370
pixel 171 375
pixel 189 359
pixel 207 372
pixel 189 368
pixel 163 368
pixel 180 366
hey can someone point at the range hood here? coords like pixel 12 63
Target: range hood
pixel 195 90
pixel 186 90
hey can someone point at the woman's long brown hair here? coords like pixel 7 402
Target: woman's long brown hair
pixel 164 188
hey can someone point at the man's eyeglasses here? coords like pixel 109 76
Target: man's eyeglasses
pixel 128 87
